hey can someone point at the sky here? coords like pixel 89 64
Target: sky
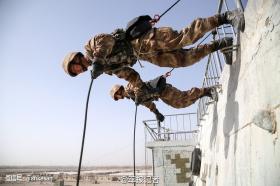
pixel 42 108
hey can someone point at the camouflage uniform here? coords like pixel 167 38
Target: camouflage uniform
pixel 169 95
pixel 160 46
pixel 163 46
pixel 101 47
pixel 130 94
pixel 183 98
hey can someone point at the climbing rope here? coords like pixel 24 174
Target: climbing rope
pixel 167 74
pixel 153 22
pixel 84 133
pixel 134 134
pixel 157 17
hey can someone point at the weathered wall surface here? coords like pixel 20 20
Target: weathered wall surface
pixel 236 150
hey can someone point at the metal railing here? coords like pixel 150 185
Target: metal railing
pixel 174 127
pixel 216 60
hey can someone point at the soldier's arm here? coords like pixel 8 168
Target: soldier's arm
pixel 130 75
pixel 150 105
pixel 99 47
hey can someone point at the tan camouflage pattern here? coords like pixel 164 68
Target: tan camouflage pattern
pixel 160 46
pixel 67 60
pixel 131 92
pixel 181 99
pixel 101 46
pixel 114 89
pixel 170 95
pixel 130 75
pixel 163 46
pixel 150 105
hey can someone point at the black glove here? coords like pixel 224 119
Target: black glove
pixel 97 70
pixel 159 116
pixel 137 100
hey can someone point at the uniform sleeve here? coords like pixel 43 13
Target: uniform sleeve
pixel 130 75
pixel 150 105
pixel 100 47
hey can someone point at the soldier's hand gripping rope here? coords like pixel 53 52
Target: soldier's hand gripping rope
pixel 159 116
pixel 97 70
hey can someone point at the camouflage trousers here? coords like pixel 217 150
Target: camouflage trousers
pixel 181 99
pixel 164 46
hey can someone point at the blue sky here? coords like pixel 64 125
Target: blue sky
pixel 42 109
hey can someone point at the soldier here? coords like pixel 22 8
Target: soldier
pixel 115 53
pixel 159 89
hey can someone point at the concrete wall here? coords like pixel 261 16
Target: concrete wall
pixel 236 149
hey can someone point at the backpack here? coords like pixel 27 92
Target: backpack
pixel 156 85
pixel 151 90
pixel 138 26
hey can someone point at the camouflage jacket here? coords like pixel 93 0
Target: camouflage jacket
pixel 106 49
pixel 103 48
pixel 144 96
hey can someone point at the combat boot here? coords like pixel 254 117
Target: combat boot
pixel 224 45
pixel 228 56
pixel 235 18
pixel 211 92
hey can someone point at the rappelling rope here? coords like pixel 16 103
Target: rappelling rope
pixel 134 134
pixel 153 22
pixel 84 134
pixel 157 17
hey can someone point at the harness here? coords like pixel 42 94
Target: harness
pixel 122 52
pixel 151 91
pixel 155 87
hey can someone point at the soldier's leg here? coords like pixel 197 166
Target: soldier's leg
pixel 198 28
pixel 166 39
pixel 181 99
pixel 187 57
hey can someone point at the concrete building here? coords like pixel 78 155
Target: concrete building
pixel 238 135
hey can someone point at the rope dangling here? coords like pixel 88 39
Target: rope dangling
pixel 84 133
pixel 157 17
pixel 167 74
pixel 134 134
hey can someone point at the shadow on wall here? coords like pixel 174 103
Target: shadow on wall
pixel 231 119
pixel 214 127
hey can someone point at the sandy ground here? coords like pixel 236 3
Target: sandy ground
pixel 69 184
